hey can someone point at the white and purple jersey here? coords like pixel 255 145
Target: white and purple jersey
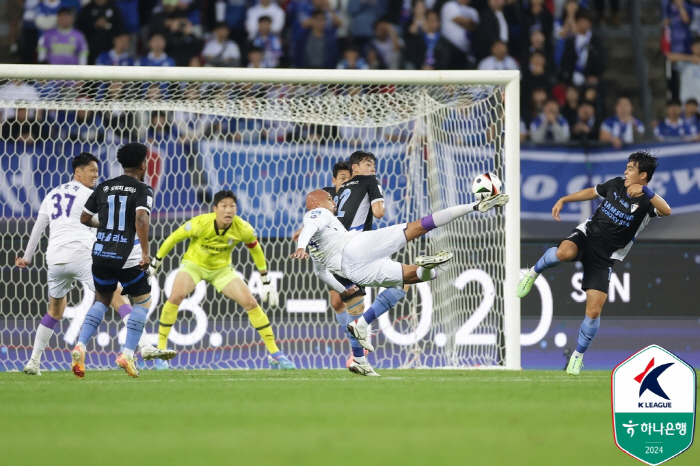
pixel 326 238
pixel 69 240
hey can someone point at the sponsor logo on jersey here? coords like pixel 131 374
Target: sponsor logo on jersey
pixel 635 207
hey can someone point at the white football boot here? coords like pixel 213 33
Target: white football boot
pixel 494 201
pixel 32 368
pixel 150 352
pixel 362 369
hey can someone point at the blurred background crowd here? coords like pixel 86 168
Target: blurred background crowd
pixel 580 81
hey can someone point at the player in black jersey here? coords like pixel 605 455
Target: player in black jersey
pixel 628 205
pixel 341 174
pixel 121 252
pixel 361 198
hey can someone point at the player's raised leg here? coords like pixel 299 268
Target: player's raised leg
pixel 239 292
pixel 595 300
pixel 565 252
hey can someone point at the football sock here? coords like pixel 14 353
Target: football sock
pixel 426 275
pixel 357 349
pixel 259 320
pixel 42 337
pixel 589 327
pixel 124 312
pixel 548 260
pixel 445 216
pixel 134 327
pixel 168 316
pixel 342 319
pixel 385 301
pixel 92 321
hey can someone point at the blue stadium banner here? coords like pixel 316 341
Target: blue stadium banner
pixel 547 174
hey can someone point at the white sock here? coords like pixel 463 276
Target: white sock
pixel 144 341
pixel 41 341
pixel 445 216
pixel 361 359
pixel 81 345
pixel 426 275
pixel 362 323
pixel 532 272
pixel 128 353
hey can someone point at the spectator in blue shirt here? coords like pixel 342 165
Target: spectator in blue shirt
pixel 156 55
pixel 691 115
pixel 623 128
pixel 352 60
pixel 317 47
pixel 673 128
pixel 269 42
pixel 119 55
pixel 550 125
pixel 364 14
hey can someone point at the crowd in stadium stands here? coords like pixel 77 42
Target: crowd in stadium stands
pixel 552 42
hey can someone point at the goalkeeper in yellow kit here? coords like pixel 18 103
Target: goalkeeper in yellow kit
pixel 208 257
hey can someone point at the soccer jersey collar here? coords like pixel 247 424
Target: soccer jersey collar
pixel 216 228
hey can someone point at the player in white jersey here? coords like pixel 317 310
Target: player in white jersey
pixel 364 256
pixel 69 254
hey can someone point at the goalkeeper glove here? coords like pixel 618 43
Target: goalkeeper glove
pixel 155 264
pixel 269 294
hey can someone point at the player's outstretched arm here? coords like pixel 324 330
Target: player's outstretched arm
pixel 42 222
pixel 583 195
pixel 185 231
pixel 327 277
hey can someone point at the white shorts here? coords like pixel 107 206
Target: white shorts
pixel 366 257
pixel 62 277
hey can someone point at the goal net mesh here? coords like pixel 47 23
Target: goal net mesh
pixel 271 144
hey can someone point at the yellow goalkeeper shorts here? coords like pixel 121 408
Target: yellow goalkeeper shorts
pixel 218 278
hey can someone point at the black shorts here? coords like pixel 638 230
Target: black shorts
pixel 597 269
pixel 347 284
pixel 134 280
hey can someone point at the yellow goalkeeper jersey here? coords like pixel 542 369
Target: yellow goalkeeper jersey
pixel 211 247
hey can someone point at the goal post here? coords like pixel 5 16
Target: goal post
pixel 272 135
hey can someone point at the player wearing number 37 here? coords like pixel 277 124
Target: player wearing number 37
pixel 69 255
pixel 364 256
pixel 628 205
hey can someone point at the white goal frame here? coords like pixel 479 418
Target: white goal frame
pixel 509 79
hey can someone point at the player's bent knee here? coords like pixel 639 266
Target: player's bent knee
pixel 176 298
pixel 355 305
pixel 565 254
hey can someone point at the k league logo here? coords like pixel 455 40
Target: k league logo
pixel 653 404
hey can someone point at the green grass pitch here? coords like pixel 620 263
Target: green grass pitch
pixel 311 417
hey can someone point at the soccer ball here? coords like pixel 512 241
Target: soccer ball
pixel 486 185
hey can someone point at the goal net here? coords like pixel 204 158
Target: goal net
pixel 272 136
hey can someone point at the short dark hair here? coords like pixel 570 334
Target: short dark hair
pixel 64 9
pixel 317 12
pixel 696 40
pixel 646 163
pixel 340 166
pixel 83 160
pixel 221 24
pixel 582 13
pixel 224 194
pixel 360 156
pixel 673 102
pixel 255 49
pixel 692 101
pixel 264 18
pixel 132 155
